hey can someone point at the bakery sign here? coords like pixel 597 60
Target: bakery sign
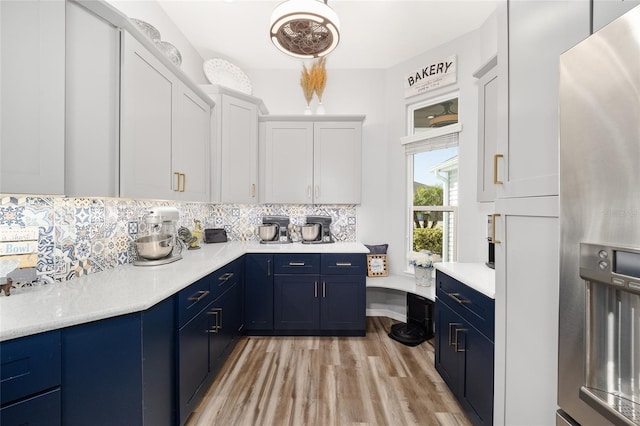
pixel 430 77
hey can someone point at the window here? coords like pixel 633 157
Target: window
pixel 432 177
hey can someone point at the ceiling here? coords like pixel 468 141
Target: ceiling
pixel 376 34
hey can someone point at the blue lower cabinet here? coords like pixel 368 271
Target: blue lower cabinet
pixel 258 286
pixel 30 378
pixel 342 302
pixel 40 410
pixel 120 370
pixel 205 342
pixel 308 302
pixel 296 302
pixel 464 355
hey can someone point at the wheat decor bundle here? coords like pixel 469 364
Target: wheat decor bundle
pixel 319 77
pixel 306 81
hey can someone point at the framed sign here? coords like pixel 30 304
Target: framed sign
pixel 377 265
pixel 430 77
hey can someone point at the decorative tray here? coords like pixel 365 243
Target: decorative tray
pixel 222 72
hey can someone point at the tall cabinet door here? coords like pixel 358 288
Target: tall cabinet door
pixel 190 151
pixel 147 131
pixel 239 151
pixel 32 82
pixel 527 269
pixel 92 105
pixel 528 138
pixel 337 162
pixel 487 133
pixel 288 162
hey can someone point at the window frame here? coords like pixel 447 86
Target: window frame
pixel 425 141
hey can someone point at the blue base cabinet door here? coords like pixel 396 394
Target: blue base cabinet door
pixel 478 378
pixel 41 410
pixel 258 283
pixel 342 304
pixel 120 370
pixel 448 361
pixel 296 302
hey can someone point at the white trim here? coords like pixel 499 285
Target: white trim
pixel 431 134
pixel 386 313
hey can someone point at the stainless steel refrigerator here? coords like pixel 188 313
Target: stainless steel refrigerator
pixel 599 330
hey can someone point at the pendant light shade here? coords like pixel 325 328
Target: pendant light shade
pixel 305 28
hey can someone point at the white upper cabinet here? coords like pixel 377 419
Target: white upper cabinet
pixel 605 11
pixel 288 162
pixel 532 35
pixel 337 162
pixel 164 135
pixel 487 129
pixel 32 83
pixel 92 105
pixel 308 160
pixel 190 155
pixel 234 145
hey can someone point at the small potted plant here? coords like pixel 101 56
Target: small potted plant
pixel 422 262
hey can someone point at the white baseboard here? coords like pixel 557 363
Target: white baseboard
pixel 386 313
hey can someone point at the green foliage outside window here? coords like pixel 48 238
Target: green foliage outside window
pixel 428 239
pixel 427 234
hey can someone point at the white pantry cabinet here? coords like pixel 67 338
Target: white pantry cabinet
pixel 32 83
pixel 531 37
pixel 234 145
pixel 164 138
pixel 311 159
pixel 487 77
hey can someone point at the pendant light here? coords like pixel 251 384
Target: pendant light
pixel 305 28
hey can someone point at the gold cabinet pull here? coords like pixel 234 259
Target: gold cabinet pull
pixel 343 263
pixel 493 228
pixel 317 191
pixel 253 190
pixel 296 263
pixel 495 169
pixel 184 182
pixel 455 344
pixel 308 191
pixel 176 187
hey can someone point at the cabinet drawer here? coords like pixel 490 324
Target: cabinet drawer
pixel 344 264
pixel 41 410
pixel 303 263
pixel 29 365
pixel 223 278
pixel 470 304
pixel 193 299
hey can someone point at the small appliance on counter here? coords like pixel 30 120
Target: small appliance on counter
pixel 317 230
pixel 160 245
pixel 274 230
pixel 491 236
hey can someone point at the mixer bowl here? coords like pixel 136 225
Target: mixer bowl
pixel 310 231
pixel 267 232
pixel 154 246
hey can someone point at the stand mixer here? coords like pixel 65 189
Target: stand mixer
pixel 160 245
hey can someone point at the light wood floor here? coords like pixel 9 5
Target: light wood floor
pixel 306 381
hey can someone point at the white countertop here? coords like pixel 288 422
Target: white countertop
pixel 129 288
pixel 478 276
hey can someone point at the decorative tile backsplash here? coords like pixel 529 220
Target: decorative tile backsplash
pixel 79 236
